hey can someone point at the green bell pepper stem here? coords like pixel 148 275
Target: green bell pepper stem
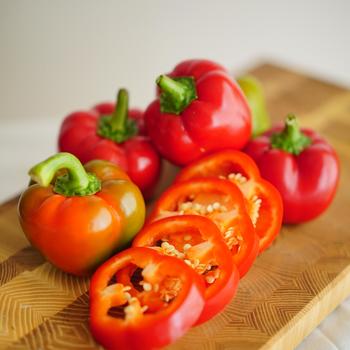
pixel 291 139
pixel 77 182
pixel 176 93
pixel 291 129
pixel 118 127
pixel 120 114
pixel 173 88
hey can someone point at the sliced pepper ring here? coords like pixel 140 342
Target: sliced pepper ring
pixel 120 320
pixel 223 203
pixel 263 201
pixel 197 241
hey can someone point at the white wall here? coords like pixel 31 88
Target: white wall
pixel 57 56
pixel 60 55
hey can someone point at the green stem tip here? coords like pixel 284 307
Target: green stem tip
pixel 117 126
pixel 291 139
pixel 77 182
pixel 120 114
pixel 176 93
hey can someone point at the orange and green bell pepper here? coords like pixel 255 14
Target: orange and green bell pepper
pixel 77 216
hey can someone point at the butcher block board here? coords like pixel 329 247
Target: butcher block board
pixel 290 289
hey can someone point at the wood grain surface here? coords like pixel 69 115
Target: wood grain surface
pixel 290 289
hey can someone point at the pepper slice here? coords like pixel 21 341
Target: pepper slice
pixel 263 201
pixel 198 242
pixel 223 203
pixel 123 317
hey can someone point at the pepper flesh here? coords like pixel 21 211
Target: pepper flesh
pixel 77 232
pixel 220 201
pixel 263 201
pixel 198 242
pixel 189 118
pixel 301 165
pixel 147 318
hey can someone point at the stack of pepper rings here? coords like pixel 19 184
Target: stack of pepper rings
pixel 211 223
pixel 205 230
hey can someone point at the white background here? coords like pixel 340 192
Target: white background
pixel 59 56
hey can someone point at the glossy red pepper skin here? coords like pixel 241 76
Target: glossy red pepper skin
pixel 219 118
pixel 136 156
pixel 307 182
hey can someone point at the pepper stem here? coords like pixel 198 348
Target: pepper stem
pixel 177 93
pixel 77 182
pixel 117 126
pixel 120 114
pixel 291 139
pixel 172 87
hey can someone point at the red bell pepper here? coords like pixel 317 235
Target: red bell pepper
pixel 200 109
pixel 223 203
pixel 301 165
pixel 158 305
pixel 114 137
pixel 263 201
pixel 79 219
pixel 197 241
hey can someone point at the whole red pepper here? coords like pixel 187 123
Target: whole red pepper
pixel 113 134
pixel 200 109
pixel 301 165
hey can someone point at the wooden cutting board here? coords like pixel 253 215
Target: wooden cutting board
pixel 290 289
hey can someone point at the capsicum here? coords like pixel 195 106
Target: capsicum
pixel 263 201
pixel 222 202
pixel 254 93
pixel 78 217
pixel 114 134
pixel 161 301
pixel 301 165
pixel 200 109
pixel 198 242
